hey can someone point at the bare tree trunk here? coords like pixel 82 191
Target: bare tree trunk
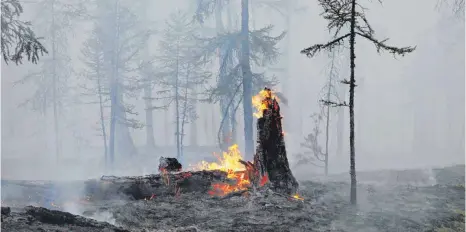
pixel 327 122
pixel 193 128
pixel 351 104
pixel 177 111
pixel 150 139
pixel 286 73
pixel 340 125
pixel 113 89
pixel 233 125
pixel 185 112
pixel 113 106
pixel 166 127
pixel 146 73
pixel 213 123
pixel 101 109
pixel 247 81
pixel 183 122
pixel 54 88
pixel 224 107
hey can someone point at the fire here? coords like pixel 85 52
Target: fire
pixel 241 182
pixel 298 197
pixel 229 162
pixel 261 101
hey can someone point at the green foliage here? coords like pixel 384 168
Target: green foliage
pixel 18 39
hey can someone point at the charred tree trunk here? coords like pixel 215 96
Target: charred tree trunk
pixel 270 159
pixel 147 187
pixel 351 104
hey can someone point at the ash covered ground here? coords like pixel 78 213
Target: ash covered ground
pixel 382 206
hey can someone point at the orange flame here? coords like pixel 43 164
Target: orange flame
pixel 298 197
pixel 229 163
pixel 264 180
pixel 261 101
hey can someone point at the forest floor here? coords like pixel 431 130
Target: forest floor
pixel 381 207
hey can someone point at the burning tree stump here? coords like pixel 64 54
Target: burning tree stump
pixel 270 159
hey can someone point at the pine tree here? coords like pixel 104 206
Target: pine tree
pixel 122 42
pixel 147 73
pixel 340 14
pixel 205 9
pixel 54 20
pixel 180 72
pixel 18 39
pixel 241 50
pixel 96 82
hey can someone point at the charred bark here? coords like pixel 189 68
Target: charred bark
pixel 270 159
pixel 33 218
pixel 147 187
pixel 169 165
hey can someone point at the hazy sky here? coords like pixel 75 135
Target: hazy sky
pixel 409 110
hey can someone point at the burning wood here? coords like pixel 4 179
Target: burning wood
pixel 169 165
pixel 146 187
pixel 229 163
pixel 231 174
pixel 270 159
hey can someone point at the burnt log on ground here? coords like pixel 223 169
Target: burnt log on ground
pixel 146 187
pixel 33 218
pixel 270 159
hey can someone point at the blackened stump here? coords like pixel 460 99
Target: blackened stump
pixel 169 165
pixel 270 158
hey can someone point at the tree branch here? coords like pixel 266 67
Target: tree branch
pixel 333 104
pixel 381 45
pixel 313 50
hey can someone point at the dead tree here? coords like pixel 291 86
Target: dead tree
pixel 270 159
pixel 342 13
pixel 314 153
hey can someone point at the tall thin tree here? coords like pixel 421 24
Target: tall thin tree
pixel 179 72
pixel 52 77
pixel 340 14
pixel 118 26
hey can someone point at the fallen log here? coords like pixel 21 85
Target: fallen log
pixel 146 187
pixel 270 159
pixel 33 218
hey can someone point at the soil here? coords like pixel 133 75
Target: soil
pixel 381 207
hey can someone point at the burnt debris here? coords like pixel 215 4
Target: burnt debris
pixel 169 164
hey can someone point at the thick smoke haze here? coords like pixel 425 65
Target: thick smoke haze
pixel 409 110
